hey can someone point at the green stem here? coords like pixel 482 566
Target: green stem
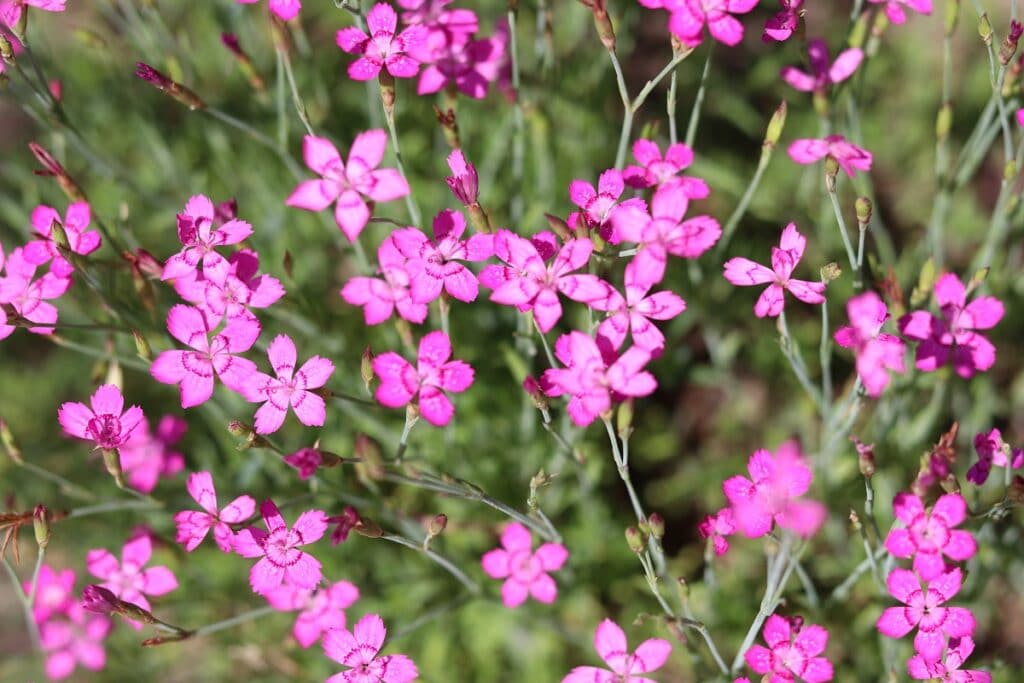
pixel 834 197
pixel 698 103
pixel 472 586
pixel 233 621
pixel 410 201
pixel 26 606
pixel 300 107
pixel 748 195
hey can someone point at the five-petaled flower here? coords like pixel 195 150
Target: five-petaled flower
pixel 281 560
pixel 849 156
pixel 200 236
pixel 80 240
pixel 599 205
pixel 876 351
pixel 146 456
pixel 105 422
pixel 623 666
pixel 74 639
pixel 459 61
pixel 319 611
pixel 948 668
pixel 688 18
pixel 923 609
pixel 781 26
pixel 717 527
pixel 382 49
pixel 655 170
pixel 930 534
pixel 380 297
pixel 193 525
pixel 525 570
pixel 359 650
pixel 29 298
pixel 127 579
pixel 793 652
pixel 634 312
pixel 292 387
pixel 824 72
pixel 241 289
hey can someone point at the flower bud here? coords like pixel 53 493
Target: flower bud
pixel 346 522
pixel 11 446
pixel 449 125
pixel 656 523
pixel 6 49
pixel 367 452
pixel 112 461
pixel 985 28
pixel 559 227
pixel 437 525
pixel 368 528
pixel 165 84
pixel 952 15
pixel 387 92
pixel 142 346
pixel 1009 47
pixel 479 219
pixel 830 272
pixel 100 600
pixel 635 540
pixel 864 209
pixel 53 168
pixel 775 125
pixel 831 171
pixel 855 521
pixel 532 387
pixel 366 368
pixel 624 419
pixel 41 526
pixel 865 457
pixel 944 121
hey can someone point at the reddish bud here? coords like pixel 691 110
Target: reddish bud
pixel 166 84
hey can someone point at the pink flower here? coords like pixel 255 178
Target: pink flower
pixel 823 74
pixel 320 611
pixel 380 297
pixel 923 609
pixel 146 457
pixel 625 666
pixel 633 312
pixel 285 10
pixel 127 579
pixel 306 460
pixel 350 185
pixel 433 265
pixel 772 492
pixel 29 298
pixel 954 336
pixel 291 387
pixel 382 48
pixel 717 527
pixel 194 370
pixel 75 639
pixel 200 237
pixel 849 156
pixel 948 668
pixel 344 524
pixel 193 525
pixel 525 571
pixel 358 649
pixel 80 239
pixel 594 377
pixel 663 231
pixel 688 18
pixel 281 561
pixel 54 593
pixel 782 25
pixel 106 424
pixel 744 272
pixel 435 16
pixel 455 59
pixel 895 12
pixel 599 206
pixel 240 290
pixel 11 10
pixel 655 170
pixel 992 451
pixel 929 534
pixel 433 375
pixel 528 283
pixel 464 182
pixel 876 352
pixel 792 653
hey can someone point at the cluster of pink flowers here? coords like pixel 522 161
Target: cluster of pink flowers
pixel 623 665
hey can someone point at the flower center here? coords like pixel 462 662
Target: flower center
pixel 105 430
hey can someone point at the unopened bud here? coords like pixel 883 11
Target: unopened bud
pixel 831 171
pixel 977 279
pixel 985 28
pixel 112 461
pixel 366 367
pixel 635 540
pixel 864 209
pixel 559 227
pixel 6 49
pixel 624 420
pixel 53 168
pixel 830 272
pixel 367 452
pixel 532 387
pixel 1016 491
pixel 368 528
pixel 10 443
pixel 387 92
pixel 775 126
pixel 434 528
pixel 865 457
pixel 142 346
pixel 656 523
pixel 100 600
pixel 855 521
pixel 169 86
pixel 944 121
pixel 41 526
pixel 1009 47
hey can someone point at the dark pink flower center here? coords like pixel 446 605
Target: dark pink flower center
pixel 105 430
pixel 281 546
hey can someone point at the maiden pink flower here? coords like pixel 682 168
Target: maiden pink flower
pixel 306 460
pixel 147 457
pixel 929 534
pixel 200 237
pixel 11 10
pixel 285 10
pixel 75 224
pixel 876 351
pixel 75 639
pixel 923 609
pixel 793 652
pixel 849 156
pixel 127 579
pixel 281 561
pixel 655 170
pixel 29 298
pixel 525 570
pixel 193 525
pixel 947 669
pixel 594 377
pixel 633 312
pixel 528 283
pixel 320 611
pixel 436 16
pixel 194 370
pixel 106 423
pixel 358 649
pixel 954 336
pixel 771 495
pixel 380 297
pixel 434 265
pixel 744 273
pixel 464 182
pixel 688 18
pixel 992 450
pixel 241 289
pixel 782 25
pixel 623 666
pixel 348 185
pixel 598 206
pixel 382 49
pixel 717 527
pixel 895 12
pixel 54 593
pixel 455 59
pixel 433 375
pixel 824 72
pixel 291 387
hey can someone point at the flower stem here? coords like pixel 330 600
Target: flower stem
pixel 741 209
pixel 410 201
pixel 233 621
pixel 300 106
pixel 833 196
pixel 472 586
pixel 698 103
pixel 26 607
pixel 780 569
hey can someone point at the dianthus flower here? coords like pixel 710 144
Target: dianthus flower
pixel 782 25
pixel 717 527
pixel 849 156
pixel 655 170
pixel 382 49
pixel 292 387
pixel 105 422
pixel 75 639
pixel 793 652
pixel 193 525
pixel 599 205
pixel 930 534
pixel 876 352
pixel 75 224
pixel 992 450
pixel 54 593
pixel 127 579
pixel 200 236
pixel 241 289
pixel 824 72
pixel 947 668
pixel 468 64
pixel 359 650
pixel 634 311
pixel 27 296
pixel 623 666
pixel 319 611
pixel 923 609
pixel 146 456
pixel 281 561
pixel 688 18
pixel 525 570
pixel 895 12
pixel 380 297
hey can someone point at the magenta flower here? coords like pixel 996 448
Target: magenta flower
pixel 793 652
pixel 947 669
pixel 633 312
pixel 455 59
pixel 954 337
pixel 11 10
pixel 200 237
pixel 895 12
pixel 281 561
pixel 744 272
pixel 241 289
pixel 319 611
pixel 54 593
pixel 306 460
pixel 127 579
pixel 782 25
pixel 930 534
pixel 193 525
pixel 655 170
pixel 923 609
pixel 433 375
pixel 435 16
pixel 528 283
pixel 824 72
pixel 623 666
pixel 106 423
pixel 147 457
pixel 688 18
pixel 350 185
pixel 772 494
pixel 717 527
pixel 285 10
pixel 663 231
pixel 598 206
pixel 344 524
pixel 463 182
pixel 593 377
pixel 992 451
pixel 434 265
pixel 849 156
pixel 525 571
pixel 876 351
pixel 380 297
pixel 75 639
pixel 358 649
pixel 29 298
pixel 382 48
pixel 291 387
pixel 194 370
pixel 81 240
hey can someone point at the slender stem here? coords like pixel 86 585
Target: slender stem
pixel 33 585
pixel 623 470
pixel 519 129
pixel 777 578
pixel 113 506
pixel 410 201
pixel 792 353
pixel 833 196
pixel 698 103
pixel 627 111
pixel 840 592
pixel 673 128
pixel 411 419
pixel 748 195
pixel 544 343
pixel 471 585
pixel 429 616
pixel 26 606
pixel 65 485
pixel 233 621
pixel 300 106
pixel 825 357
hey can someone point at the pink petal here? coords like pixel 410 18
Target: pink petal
pixel 894 622
pixel 759 658
pixel 902 584
pixel 74 418
pixel 807 151
pixel 435 407
pixel 770 303
pixel 351 39
pixel 798 79
pixel 107 400
pixel 949 290
pixel 158 581
pixel 381 19
pixel 101 563
pixel 369 147
pixel 652 654
pixel 543 589
pixel 351 214
pixel 552 556
pixel 726 29
pixel 269 418
pixel 282 356
pixel 200 487
pixel 313 195
pixel 495 563
pixel 238 510
pixel 845 64
pixel 369 631
pixel 515 537
pixel 951 507
pixel 744 272
pixel 311 524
